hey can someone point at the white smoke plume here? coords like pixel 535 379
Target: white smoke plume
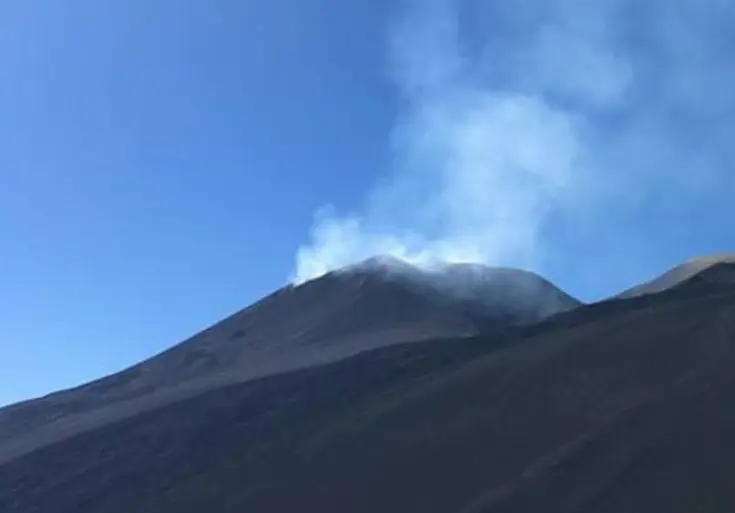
pixel 517 112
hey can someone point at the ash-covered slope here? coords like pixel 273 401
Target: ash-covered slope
pixel 678 275
pixel 515 296
pixel 373 304
pixel 623 406
pixel 504 295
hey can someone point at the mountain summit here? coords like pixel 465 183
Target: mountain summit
pixel 387 387
pixel 682 274
pixel 507 295
pixel 376 303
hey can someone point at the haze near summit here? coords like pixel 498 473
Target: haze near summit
pixel 519 113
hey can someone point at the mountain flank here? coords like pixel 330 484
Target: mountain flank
pixel 379 302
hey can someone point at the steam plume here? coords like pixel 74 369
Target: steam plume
pixel 521 111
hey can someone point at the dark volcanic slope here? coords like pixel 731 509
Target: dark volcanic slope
pixel 377 303
pixel 323 320
pixel 622 409
pixel 679 274
pixel 512 296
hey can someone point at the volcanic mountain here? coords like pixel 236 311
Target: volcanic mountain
pixel 625 405
pixel 681 274
pixel 378 302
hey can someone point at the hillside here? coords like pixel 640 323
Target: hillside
pixel 677 275
pixel 380 302
pixel 620 410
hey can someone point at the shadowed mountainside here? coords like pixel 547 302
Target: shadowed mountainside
pixel 376 303
pixel 677 275
pixel 607 408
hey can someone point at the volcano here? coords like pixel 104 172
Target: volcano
pixel 441 391
pixel 378 302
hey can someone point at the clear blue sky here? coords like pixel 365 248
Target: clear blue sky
pixel 161 162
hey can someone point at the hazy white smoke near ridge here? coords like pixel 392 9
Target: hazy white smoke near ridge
pixel 519 109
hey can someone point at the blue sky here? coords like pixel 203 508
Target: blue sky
pixel 163 164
